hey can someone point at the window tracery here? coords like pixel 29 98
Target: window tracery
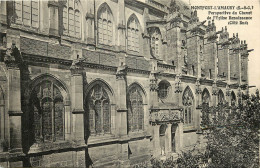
pixel 135 111
pixel 99 110
pixel 133 34
pixel 105 25
pixel 187 101
pixel 48 112
pixel 27 12
pixel 72 19
pixel 155 38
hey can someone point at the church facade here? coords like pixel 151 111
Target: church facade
pixel 109 82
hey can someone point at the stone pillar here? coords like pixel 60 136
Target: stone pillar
pixel 77 102
pixel 168 139
pixel 14 99
pixel 146 36
pixel 214 94
pixel 156 141
pixel 89 22
pixel 121 26
pixel 180 137
pixel 54 15
pixel 3 12
pixel 153 91
pixel 122 113
pixel 121 101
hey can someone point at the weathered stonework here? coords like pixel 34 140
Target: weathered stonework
pixel 77 95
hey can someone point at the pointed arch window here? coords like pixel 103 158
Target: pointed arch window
pixel 205 97
pixel 221 97
pixel 162 131
pixel 135 111
pixel 105 25
pixel 48 112
pixel 27 13
pixel 99 111
pixel 133 34
pixel 155 38
pixel 71 18
pixel 188 103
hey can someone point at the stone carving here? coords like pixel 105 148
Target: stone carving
pixel 121 72
pixel 165 116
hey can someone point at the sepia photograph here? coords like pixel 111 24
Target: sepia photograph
pixel 130 83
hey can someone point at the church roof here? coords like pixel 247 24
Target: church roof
pixel 184 7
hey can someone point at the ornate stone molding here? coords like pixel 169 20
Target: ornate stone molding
pixel 121 26
pixel 121 72
pixel 89 16
pixel 198 88
pixel 153 82
pixel 169 115
pixel 215 89
pixel 76 67
pixel 228 91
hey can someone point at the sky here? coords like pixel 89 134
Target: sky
pixel 250 32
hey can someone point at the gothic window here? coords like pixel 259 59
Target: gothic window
pixel 221 98
pixel 163 89
pixel 155 38
pixel 205 97
pixel 135 111
pixel 188 103
pixel 105 25
pixel 48 112
pixel 233 99
pixel 27 13
pixel 99 110
pixel 133 33
pixel 2 108
pixel 71 19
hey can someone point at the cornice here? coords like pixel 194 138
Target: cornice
pixel 189 78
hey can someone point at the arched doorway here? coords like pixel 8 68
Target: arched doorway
pixel 173 140
pixel 162 131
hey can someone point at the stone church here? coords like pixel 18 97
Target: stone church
pixel 109 83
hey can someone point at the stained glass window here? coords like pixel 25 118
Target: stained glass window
pixel 99 111
pixel 48 112
pixel 105 26
pixel 188 103
pixel 133 34
pixel 27 12
pixel 71 19
pixel 135 111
